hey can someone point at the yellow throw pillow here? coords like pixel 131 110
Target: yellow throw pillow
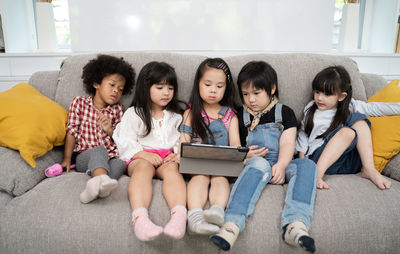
pixel 30 122
pixel 385 130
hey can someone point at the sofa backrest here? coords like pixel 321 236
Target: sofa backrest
pixel 295 73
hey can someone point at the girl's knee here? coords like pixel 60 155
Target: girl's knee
pixel 219 180
pixel 200 178
pixel 361 124
pixel 347 133
pixel 170 170
pixel 140 167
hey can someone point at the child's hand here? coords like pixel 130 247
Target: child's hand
pixel 105 124
pixel 321 184
pixel 171 157
pixel 154 159
pixel 66 164
pixel 278 174
pixel 256 152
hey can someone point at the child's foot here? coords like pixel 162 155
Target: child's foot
pixel 377 178
pixel 197 224
pixel 321 184
pixel 91 191
pixel 145 229
pixel 214 215
pixel 176 226
pixel 296 234
pixel 226 237
pixel 107 185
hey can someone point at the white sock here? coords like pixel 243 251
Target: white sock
pixel 214 215
pixel 91 191
pixel 107 185
pixel 197 225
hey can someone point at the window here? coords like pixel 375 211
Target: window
pixel 61 22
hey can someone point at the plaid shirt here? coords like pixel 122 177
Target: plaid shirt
pixel 82 124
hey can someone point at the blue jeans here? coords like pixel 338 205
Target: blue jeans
pixel 301 175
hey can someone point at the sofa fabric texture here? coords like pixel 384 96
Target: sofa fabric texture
pixel 44 215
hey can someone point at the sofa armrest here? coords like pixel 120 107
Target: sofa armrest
pixel 45 82
pixel 372 83
pixel 392 169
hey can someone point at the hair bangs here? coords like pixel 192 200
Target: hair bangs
pixel 328 87
pixel 163 74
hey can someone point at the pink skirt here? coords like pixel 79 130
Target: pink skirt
pixel 161 152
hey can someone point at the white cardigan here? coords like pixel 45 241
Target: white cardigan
pixel 164 134
pixel 323 119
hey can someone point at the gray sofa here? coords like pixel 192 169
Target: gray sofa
pixel 44 215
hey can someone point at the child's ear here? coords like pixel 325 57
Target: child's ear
pixel 96 85
pixel 342 96
pixel 273 89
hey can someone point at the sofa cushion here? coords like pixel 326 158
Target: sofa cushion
pixel 17 177
pixel 45 82
pixel 70 82
pixel 385 130
pixel 296 72
pixel 58 222
pixel 32 124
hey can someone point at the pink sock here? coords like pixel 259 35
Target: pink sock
pixel 176 226
pixel 145 229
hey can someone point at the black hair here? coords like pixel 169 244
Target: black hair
pixel 102 66
pixel 330 81
pixel 261 75
pixel 154 73
pixel 199 126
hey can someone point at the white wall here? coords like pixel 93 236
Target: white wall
pixel 275 25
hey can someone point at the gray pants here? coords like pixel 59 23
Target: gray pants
pixel 91 159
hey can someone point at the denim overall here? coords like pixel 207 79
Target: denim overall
pixel 300 176
pixel 217 128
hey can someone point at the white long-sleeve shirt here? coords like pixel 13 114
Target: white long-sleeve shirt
pixel 323 119
pixel 164 134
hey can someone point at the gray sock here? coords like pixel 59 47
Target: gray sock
pixel 214 215
pixel 197 224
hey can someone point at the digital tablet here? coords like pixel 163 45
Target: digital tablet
pixel 208 159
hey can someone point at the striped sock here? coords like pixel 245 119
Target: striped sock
pixel 197 225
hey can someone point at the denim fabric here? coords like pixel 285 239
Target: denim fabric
pixel 266 135
pixel 217 128
pixel 300 176
pixel 247 190
pixel 350 161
